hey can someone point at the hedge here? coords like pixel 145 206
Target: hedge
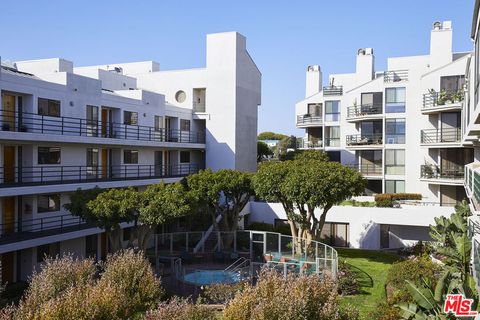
pixel 397 196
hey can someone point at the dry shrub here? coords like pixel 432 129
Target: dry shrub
pixel 66 288
pixel 221 293
pixel 293 297
pixel 131 276
pixel 57 277
pixel 179 309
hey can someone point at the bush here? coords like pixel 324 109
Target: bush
pixel 385 203
pixel 414 270
pixel 56 277
pixel 347 280
pixel 349 312
pixel 384 311
pixel 398 196
pixel 130 275
pixel 293 297
pixel 221 293
pixel 178 309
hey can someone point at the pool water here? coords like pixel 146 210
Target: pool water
pixel 209 277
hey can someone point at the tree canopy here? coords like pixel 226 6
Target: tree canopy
pixel 271 136
pixel 263 151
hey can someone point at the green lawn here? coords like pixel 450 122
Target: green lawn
pixel 371 268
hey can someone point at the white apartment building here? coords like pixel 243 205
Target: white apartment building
pixel 129 124
pixel 401 128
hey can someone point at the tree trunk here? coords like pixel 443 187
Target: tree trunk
pixel 144 232
pixel 115 240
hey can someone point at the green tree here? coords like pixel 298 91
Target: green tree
pixel 303 186
pixel 263 151
pixel 305 155
pixel 224 192
pixel 159 204
pixel 284 144
pixel 271 136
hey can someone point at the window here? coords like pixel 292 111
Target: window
pixel 395 131
pixel 48 203
pixel 335 234
pixel 158 123
pixel 395 100
pixel 92 162
pixel 184 125
pixel 395 161
pixel 332 110
pixel 130 118
pixel 48 250
pixel 48 155
pixel 92 121
pixel 371 129
pixel 314 109
pixel 180 96
pixel 184 156
pixel 47 107
pixel 332 136
pixel 130 156
pixel 394 186
pixel 452 83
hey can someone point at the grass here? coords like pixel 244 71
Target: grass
pixel 371 268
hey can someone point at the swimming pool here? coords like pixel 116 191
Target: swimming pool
pixel 208 277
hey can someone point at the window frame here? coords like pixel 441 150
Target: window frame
pixel 41 150
pixel 185 125
pixel 51 196
pixel 395 134
pixel 395 186
pixel 132 156
pixel 395 106
pixel 129 116
pixel 53 107
pixel 397 161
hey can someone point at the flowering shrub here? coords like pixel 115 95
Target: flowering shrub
pixel 294 297
pixel 221 293
pixel 178 309
pixel 347 280
pixel 67 288
pixel 384 311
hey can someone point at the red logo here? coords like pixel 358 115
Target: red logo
pixel 459 306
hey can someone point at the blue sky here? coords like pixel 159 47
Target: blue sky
pixel 283 37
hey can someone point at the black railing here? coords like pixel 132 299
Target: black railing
pixel 361 139
pixel 19 176
pixel 67 126
pixel 442 98
pixel 332 90
pixel 309 119
pixel 364 110
pixel 367 169
pixel 440 135
pixel 432 171
pixel 395 76
pixel 25 229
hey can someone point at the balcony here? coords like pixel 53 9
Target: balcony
pixel 28 229
pixel 332 91
pixel 309 144
pixel 66 126
pixel 442 101
pixel 367 170
pixel 441 137
pixel 450 175
pixel 51 175
pixel 308 120
pixel 472 183
pixel 364 112
pixel 395 76
pixel 362 141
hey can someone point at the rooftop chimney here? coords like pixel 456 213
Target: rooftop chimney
pixel 365 65
pixel 441 44
pixel 314 80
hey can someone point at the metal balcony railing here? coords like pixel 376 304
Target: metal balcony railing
pixel 432 171
pixel 441 135
pixel 48 174
pixel 309 119
pixel 444 97
pixel 68 126
pixel 364 110
pixel 395 76
pixel 14 231
pixel 332 90
pixel 367 169
pixel 306 144
pixel 362 139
